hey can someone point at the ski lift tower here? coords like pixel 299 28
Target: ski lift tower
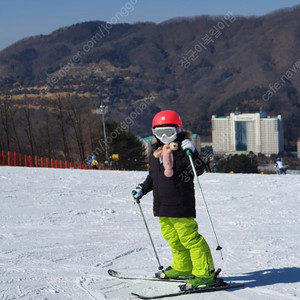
pixel 102 110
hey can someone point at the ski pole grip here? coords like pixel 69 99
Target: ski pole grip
pixel 133 193
pixel 189 152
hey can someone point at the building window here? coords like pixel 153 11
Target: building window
pixel 240 136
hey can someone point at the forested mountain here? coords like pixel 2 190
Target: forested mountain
pixel 198 66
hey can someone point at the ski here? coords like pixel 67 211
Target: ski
pixel 192 291
pixel 119 275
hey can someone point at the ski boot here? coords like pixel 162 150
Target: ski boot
pixel 173 274
pixel 199 282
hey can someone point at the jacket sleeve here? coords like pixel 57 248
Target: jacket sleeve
pixel 199 163
pixel 147 185
pixel 184 166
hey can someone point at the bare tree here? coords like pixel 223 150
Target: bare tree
pixel 63 131
pixel 47 135
pixel 5 119
pixel 77 124
pixel 28 128
pixel 91 129
pixel 14 127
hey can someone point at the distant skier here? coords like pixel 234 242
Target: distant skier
pixel 171 180
pixel 93 162
pixel 279 167
pixel 215 168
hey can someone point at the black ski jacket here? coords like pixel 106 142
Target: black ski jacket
pixel 173 196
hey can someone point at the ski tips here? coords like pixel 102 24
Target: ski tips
pixel 112 272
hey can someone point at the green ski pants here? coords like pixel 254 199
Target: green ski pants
pixel 190 251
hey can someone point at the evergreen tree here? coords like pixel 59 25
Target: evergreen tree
pixel 130 150
pixel 238 164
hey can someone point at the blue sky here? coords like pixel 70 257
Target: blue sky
pixel 23 18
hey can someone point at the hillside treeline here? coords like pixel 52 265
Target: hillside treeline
pixel 66 129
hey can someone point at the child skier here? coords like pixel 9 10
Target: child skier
pixel 93 163
pixel 279 167
pixel 171 180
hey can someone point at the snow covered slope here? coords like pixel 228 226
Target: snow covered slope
pixel 60 230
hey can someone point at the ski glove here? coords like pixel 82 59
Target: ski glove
pixel 187 144
pixel 137 193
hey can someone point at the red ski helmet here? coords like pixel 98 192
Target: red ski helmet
pixel 167 117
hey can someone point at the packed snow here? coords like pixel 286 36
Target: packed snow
pixel 61 230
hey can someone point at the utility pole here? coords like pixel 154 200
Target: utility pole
pixel 102 110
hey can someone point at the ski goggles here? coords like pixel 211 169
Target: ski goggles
pixel 166 134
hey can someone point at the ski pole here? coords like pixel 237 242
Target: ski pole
pixel 219 248
pixel 160 267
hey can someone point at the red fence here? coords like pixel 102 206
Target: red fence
pixel 8 158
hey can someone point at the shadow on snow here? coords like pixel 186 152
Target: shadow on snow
pixel 268 277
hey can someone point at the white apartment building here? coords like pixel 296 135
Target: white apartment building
pixel 238 133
